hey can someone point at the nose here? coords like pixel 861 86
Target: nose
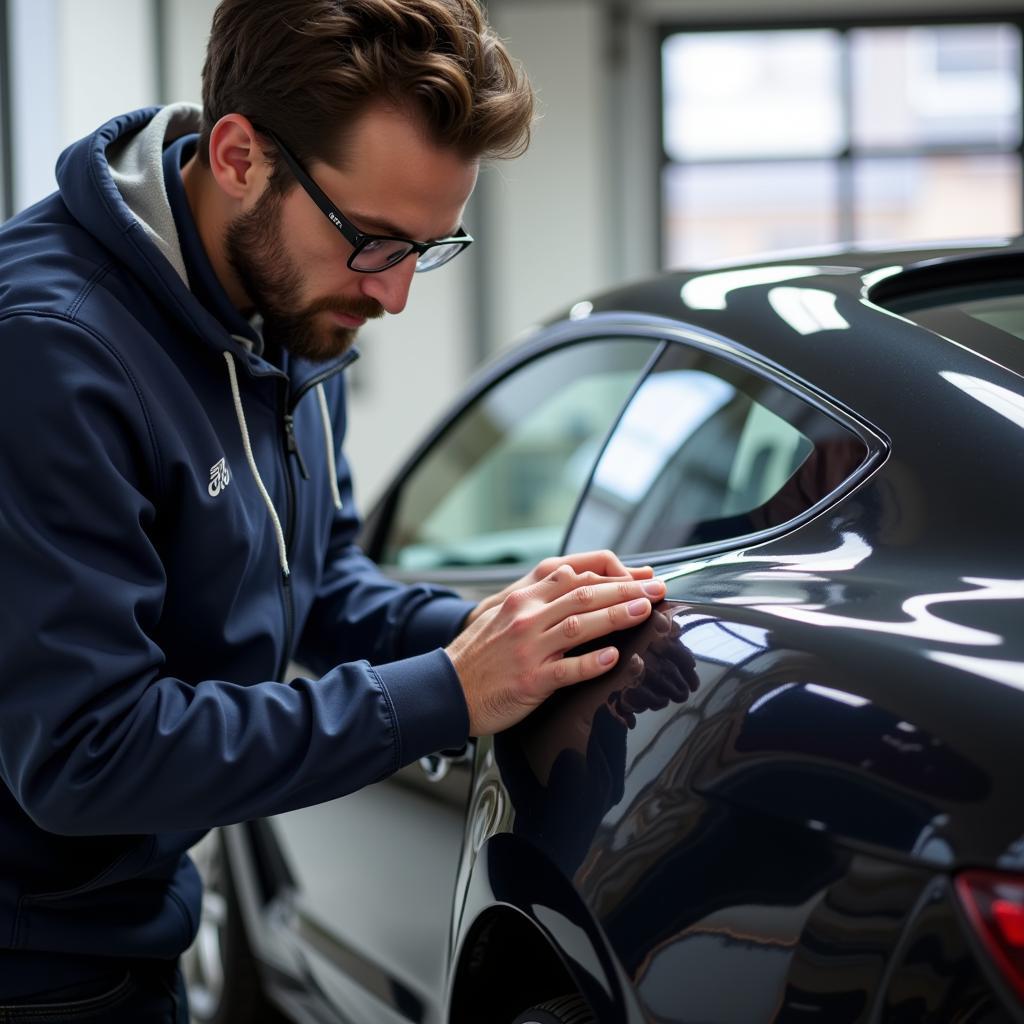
pixel 391 287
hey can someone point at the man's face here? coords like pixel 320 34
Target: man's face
pixel 291 259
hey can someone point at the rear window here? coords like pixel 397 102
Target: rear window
pixel 987 318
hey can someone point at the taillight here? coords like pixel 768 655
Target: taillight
pixel 995 906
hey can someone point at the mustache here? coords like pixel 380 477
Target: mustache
pixel 366 308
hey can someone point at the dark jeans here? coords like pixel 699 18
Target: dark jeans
pixel 145 994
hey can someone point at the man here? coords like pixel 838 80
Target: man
pixel 176 518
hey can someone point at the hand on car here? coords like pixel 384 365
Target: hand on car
pixel 511 655
pixel 605 563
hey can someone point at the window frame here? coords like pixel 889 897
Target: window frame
pixel 655 351
pixel 601 326
pixel 679 332
pixel 562 334
pixel 844 209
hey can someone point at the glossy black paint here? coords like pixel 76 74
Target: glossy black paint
pixel 828 725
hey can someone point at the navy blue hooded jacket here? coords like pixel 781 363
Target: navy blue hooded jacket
pixel 157 577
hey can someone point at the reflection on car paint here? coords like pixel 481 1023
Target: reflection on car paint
pixel 1001 400
pixel 711 291
pixel 1009 672
pixel 808 310
pixel 923 624
pixel 853 549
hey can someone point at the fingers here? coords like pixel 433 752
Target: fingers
pixel 591 611
pixel 564 579
pixel 604 563
pixel 509 657
pixel 562 672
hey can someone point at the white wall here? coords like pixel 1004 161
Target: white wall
pixel 548 212
pixel 75 64
pixel 186 24
pixel 411 366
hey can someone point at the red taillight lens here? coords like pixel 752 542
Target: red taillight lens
pixel 995 906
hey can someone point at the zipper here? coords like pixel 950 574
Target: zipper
pixel 346 360
pixel 292 444
pixel 291 447
pixel 292 451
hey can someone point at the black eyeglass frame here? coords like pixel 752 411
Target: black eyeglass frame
pixel 359 240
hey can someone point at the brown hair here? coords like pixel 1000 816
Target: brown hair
pixel 307 69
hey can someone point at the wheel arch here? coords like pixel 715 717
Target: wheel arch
pixel 526 936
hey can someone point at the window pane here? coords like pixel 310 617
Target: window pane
pixel 752 94
pixel 985 317
pixel 706 452
pixel 501 484
pixel 720 211
pixel 948 85
pixel 937 197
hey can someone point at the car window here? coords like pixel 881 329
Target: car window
pixel 986 317
pixel 501 483
pixel 707 451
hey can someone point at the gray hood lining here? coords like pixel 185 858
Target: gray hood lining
pixel 136 166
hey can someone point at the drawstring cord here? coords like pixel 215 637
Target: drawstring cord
pixel 247 445
pixel 332 467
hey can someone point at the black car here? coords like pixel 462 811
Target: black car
pixel 798 797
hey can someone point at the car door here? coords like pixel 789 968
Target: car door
pixel 369 910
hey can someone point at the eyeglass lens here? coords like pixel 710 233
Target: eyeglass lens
pixel 382 253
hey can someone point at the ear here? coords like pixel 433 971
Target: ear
pixel 237 161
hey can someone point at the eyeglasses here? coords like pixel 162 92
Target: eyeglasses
pixel 372 253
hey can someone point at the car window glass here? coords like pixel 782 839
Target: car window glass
pixel 500 485
pixel 707 451
pixel 988 318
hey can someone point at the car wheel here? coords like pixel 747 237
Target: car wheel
pixel 223 986
pixel 564 1010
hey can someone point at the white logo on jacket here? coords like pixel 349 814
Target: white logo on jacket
pixel 219 478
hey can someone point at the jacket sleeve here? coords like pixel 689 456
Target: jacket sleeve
pixel 95 736
pixel 356 601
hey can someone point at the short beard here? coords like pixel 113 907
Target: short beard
pixel 273 283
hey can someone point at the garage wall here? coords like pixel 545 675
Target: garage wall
pixel 61 87
pixel 575 214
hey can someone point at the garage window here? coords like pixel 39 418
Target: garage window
pixel 806 136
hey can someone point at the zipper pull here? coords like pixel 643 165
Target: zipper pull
pixel 293 444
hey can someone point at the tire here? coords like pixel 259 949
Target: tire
pixel 564 1010
pixel 220 972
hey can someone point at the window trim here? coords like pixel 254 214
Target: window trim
pixel 876 443
pixel 844 209
pixel 647 327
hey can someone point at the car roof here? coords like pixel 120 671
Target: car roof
pixel 822 315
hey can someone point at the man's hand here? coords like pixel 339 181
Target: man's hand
pixel 511 657
pixel 604 563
